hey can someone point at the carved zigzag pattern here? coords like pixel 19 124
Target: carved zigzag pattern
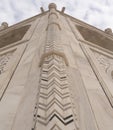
pixel 54 103
pixel 54 114
pixel 55 127
pixel 54 99
pixel 54 91
pixel 52 45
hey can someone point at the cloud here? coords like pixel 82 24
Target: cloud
pixel 97 13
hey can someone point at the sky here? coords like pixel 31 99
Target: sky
pixel 98 13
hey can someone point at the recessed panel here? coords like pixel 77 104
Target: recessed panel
pixel 13 36
pixel 96 38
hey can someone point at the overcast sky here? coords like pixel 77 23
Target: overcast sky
pixel 98 13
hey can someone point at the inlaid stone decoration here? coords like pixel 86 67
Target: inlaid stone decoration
pixel 103 60
pixel 4 59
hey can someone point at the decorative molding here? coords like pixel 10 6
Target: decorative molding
pixel 60 54
pixel 55 23
pixel 52 13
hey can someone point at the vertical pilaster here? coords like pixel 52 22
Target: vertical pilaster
pixel 54 108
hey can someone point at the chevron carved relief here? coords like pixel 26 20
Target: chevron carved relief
pixel 55 127
pixel 54 106
pixel 54 92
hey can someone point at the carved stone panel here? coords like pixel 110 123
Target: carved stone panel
pixel 105 62
pixel 4 58
pixel 103 67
